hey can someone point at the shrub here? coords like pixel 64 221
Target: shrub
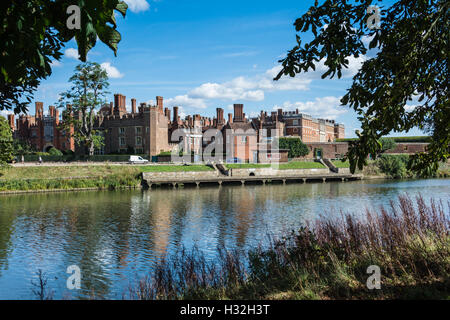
pixel 327 259
pixel 295 146
pixel 6 142
pixel 424 139
pixel 394 166
pixel 55 152
pixel 387 144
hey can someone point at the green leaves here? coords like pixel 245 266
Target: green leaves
pixel 408 63
pixel 6 142
pixel 295 146
pixel 88 93
pixel 33 33
pixel 110 37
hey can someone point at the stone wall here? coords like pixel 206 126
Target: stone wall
pixel 408 148
pixel 179 176
pixel 330 150
pixel 258 172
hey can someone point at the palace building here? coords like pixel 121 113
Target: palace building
pixel 153 129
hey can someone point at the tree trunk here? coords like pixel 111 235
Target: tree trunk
pixel 91 148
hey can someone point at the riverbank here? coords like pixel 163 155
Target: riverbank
pixel 330 259
pixel 78 178
pixel 133 230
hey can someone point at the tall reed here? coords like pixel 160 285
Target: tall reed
pixel 326 259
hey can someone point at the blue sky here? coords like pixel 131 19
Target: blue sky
pixel 201 55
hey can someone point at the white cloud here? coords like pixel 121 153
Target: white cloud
pixel 113 72
pixel 186 101
pixel 138 5
pixel 249 89
pixel 71 53
pixel 410 108
pixel 227 91
pixel 56 64
pixel 324 107
pixel 254 88
pixel 5 113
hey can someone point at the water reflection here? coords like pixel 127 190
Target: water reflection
pixel 115 237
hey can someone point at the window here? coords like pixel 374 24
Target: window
pixel 139 141
pixel 121 130
pixel 147 129
pixel 295 123
pixel 122 141
pixel 138 130
pixel 405 148
pixel 244 139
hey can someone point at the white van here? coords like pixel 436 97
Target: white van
pixel 137 160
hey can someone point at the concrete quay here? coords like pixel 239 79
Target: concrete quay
pixel 174 179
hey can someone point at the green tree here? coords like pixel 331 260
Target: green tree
pixel 410 62
pixel 21 148
pixel 6 142
pixel 295 146
pixel 55 152
pixel 393 166
pixel 387 144
pixel 88 92
pixel 33 34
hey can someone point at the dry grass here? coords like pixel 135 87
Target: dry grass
pixel 327 259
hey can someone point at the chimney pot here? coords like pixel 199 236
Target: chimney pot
pixel 238 113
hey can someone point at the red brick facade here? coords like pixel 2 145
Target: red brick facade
pixel 42 131
pixel 408 148
pixel 149 129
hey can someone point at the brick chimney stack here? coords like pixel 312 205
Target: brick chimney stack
pixel 167 113
pixel 197 119
pixel 175 115
pixel 57 116
pixel 273 115
pixel 160 104
pixel 220 119
pixel 39 109
pixel 280 114
pixel 120 104
pixel 238 113
pixel 230 118
pixel 11 122
pixel 51 111
pixel 133 106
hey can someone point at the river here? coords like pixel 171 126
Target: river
pixel 116 237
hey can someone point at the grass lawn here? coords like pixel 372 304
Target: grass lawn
pixel 170 168
pixel 283 166
pixel 247 166
pixel 74 171
pixel 340 164
pixel 43 172
pixel 79 177
pixel 301 165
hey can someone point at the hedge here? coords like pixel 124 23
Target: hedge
pixel 71 158
pixel 424 139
